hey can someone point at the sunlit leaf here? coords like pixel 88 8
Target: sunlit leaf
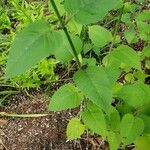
pixel 131 128
pixel 96 83
pixel 74 129
pixel 31 45
pixel 67 96
pixel 96 34
pixel 94 119
pixel 90 11
pixel 123 57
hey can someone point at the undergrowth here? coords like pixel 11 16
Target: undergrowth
pixel 109 41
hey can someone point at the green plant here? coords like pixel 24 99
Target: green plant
pixel 42 73
pixel 17 14
pixel 21 11
pixel 111 92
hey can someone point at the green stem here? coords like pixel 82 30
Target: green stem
pixel 116 29
pixel 66 32
pixel 8 92
pixel 4 114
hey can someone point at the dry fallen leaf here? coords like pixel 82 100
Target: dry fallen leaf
pixel 2 122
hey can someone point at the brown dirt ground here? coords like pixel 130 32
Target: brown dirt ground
pixel 44 133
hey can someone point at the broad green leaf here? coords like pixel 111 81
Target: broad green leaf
pixel 90 11
pixel 142 25
pixel 140 75
pixel 67 96
pixel 146 109
pixel 126 18
pixel 124 108
pixel 144 16
pixel 94 119
pixel 144 36
pixel 135 95
pixel 74 129
pixel 89 61
pixel 147 64
pixel 96 49
pixel 146 51
pixel 123 57
pixel 87 47
pixel 114 140
pixel 74 27
pixel 130 36
pixel 65 53
pixel 146 119
pixel 131 128
pixel 112 74
pixel 96 34
pixel 95 83
pixel 32 44
pixel 143 143
pixel 113 121
pixel 116 87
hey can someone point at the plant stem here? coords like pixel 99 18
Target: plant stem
pixel 8 92
pixel 4 114
pixel 116 29
pixel 66 32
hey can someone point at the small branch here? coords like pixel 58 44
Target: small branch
pixel 4 114
pixel 116 29
pixel 66 32
pixel 8 92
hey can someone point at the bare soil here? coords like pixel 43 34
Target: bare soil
pixel 44 133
